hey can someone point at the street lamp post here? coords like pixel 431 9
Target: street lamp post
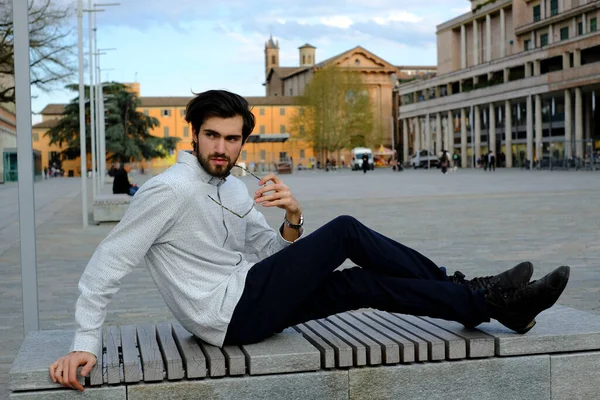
pixel 82 133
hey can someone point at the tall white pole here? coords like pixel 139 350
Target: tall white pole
pixel 99 97
pixel 91 97
pixel 29 288
pixel 82 136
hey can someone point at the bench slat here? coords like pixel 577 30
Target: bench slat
pixel 373 348
pixel 112 341
pixel 96 378
pixel 152 363
pixel 479 344
pixel 214 358
pixel 390 349
pixel 192 356
pixel 456 348
pixel 421 352
pixel 131 360
pixel 236 360
pixel 169 350
pixel 436 349
pixel 359 352
pixel 407 348
pixel 327 352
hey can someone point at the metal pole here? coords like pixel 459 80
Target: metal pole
pixel 29 288
pixel 82 136
pixel 91 97
pixel 472 139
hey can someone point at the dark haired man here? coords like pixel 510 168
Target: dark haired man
pixel 194 224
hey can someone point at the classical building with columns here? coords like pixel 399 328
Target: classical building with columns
pixel 516 77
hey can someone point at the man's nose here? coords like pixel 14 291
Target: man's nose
pixel 220 146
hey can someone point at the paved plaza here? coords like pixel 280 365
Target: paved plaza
pixel 474 221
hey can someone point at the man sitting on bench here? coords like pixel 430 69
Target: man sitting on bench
pixel 194 224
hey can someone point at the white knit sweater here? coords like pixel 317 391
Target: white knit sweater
pixel 194 249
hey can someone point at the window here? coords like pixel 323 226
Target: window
pixel 301 111
pixel 166 130
pixel 166 113
pixel 283 156
pixel 262 111
pixel 564 33
pixel 272 59
pixel 302 129
pixel 36 137
pixel 593 25
pixel 186 131
pixel 302 155
pixel 146 113
pixel 580 28
pixel 282 129
pixel 303 59
pixel 357 62
pixel 537 13
pixel 553 8
pixel 244 155
pixel 528 45
pixel 182 112
pixel 544 40
pixel 309 59
pixel 282 110
pixel 263 155
pixel 262 129
pixel 291 92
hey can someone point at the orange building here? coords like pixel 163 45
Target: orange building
pixel 270 142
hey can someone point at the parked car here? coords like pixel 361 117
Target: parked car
pixel 424 159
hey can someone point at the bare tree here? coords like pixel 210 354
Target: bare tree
pixel 51 42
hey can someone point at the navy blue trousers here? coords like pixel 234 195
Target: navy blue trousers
pixel 299 283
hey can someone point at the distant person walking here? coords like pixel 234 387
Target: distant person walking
pixel 365 163
pixel 491 161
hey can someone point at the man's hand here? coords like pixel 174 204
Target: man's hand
pixel 279 195
pixel 64 370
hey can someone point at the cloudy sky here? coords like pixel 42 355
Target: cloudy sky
pixel 174 47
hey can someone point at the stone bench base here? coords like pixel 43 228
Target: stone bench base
pixel 110 207
pixel 354 355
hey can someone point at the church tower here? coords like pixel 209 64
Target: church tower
pixel 271 54
pixel 307 55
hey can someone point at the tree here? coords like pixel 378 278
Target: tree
pixel 335 111
pixel 127 130
pixel 51 46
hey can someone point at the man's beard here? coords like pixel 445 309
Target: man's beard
pixel 218 171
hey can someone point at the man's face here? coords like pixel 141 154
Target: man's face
pixel 219 144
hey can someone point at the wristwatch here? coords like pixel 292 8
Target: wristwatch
pixel 294 226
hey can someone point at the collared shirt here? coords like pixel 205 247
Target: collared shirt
pixel 195 250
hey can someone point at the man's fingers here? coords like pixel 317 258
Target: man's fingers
pixel 51 369
pixel 87 368
pixel 73 382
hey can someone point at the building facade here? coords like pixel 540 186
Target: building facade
pixel 377 74
pixel 8 133
pixel 272 114
pixel 515 77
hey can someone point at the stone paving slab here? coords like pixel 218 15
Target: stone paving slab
pixel 482 379
pixel 105 393
pixel 559 329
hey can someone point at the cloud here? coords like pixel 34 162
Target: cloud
pixel 338 21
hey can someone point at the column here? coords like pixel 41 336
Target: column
pixel 577 58
pixel 574 27
pixel 502 33
pixel 488 38
pixel 463 47
pixel 475 43
pixel 508 133
pixel 477 118
pixel 506 75
pixel 529 112
pixel 438 133
pixel 532 38
pixel 492 129
pixel 427 132
pixel 464 161
pixel 538 127
pixel 584 23
pixel 550 34
pixel 405 157
pixel 527 69
pixel 417 134
pixel 578 123
pixel 566 61
pixel 543 9
pixel 450 133
pixel 568 124
pixel 537 68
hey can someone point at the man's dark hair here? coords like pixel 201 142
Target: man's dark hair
pixel 222 104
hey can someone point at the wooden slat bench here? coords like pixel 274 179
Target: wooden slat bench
pixel 110 207
pixel 355 355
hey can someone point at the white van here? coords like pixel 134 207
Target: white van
pixel 357 155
